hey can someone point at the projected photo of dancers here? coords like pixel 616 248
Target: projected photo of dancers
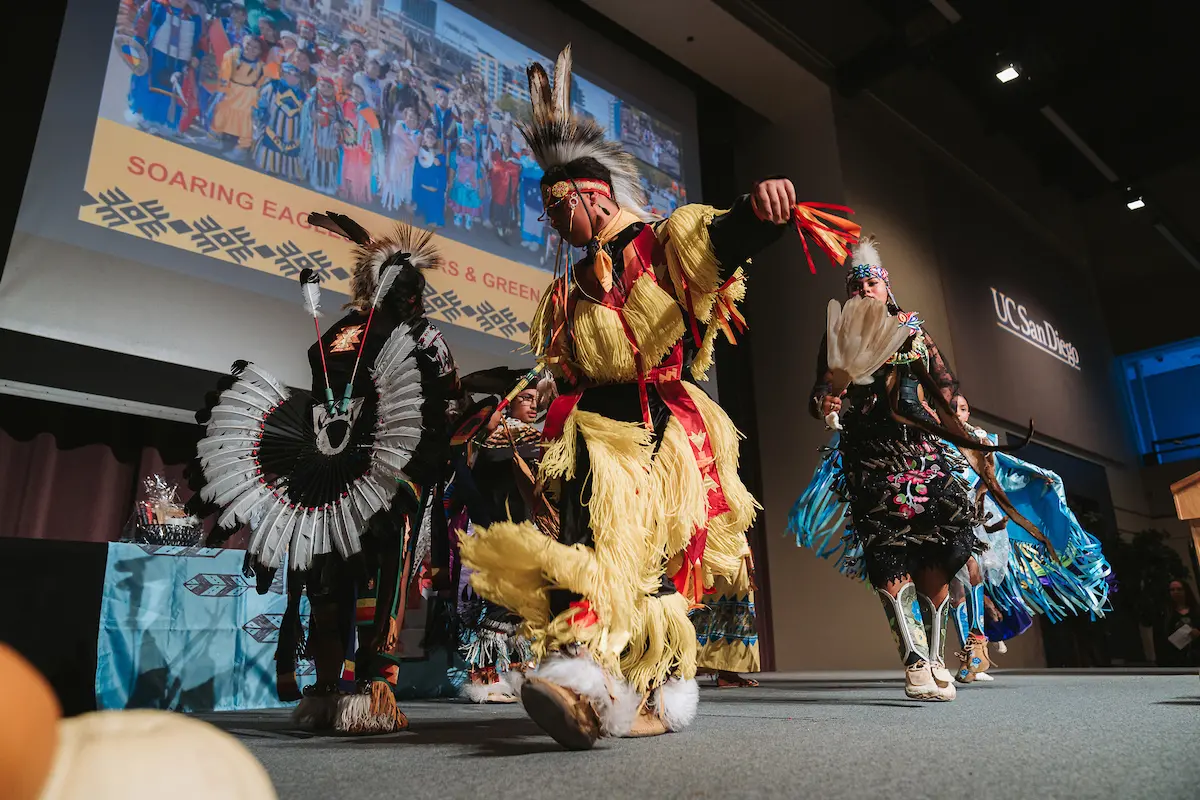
pixel 403 108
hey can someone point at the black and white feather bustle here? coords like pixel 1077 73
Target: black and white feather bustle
pixel 305 481
pixel 556 136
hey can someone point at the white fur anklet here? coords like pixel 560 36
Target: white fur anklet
pixel 615 702
pixel 678 702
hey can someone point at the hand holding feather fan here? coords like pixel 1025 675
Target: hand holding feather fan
pixel 862 336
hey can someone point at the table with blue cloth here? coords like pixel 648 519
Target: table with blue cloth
pixel 183 628
pixel 152 626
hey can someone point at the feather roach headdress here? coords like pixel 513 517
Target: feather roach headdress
pixel 382 261
pixel 561 141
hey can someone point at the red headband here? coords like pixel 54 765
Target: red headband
pixel 561 189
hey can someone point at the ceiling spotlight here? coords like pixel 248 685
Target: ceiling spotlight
pixel 1007 74
pixel 1135 203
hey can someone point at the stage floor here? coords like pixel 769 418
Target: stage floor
pixel 1047 735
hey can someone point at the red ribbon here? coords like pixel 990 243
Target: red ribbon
pixel 584 616
pixel 689 580
pixel 832 240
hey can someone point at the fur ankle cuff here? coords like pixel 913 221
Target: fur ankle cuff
pixel 678 702
pixel 615 702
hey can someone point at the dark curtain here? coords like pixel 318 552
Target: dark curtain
pixel 73 473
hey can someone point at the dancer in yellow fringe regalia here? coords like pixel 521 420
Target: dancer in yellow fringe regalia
pixel 641 462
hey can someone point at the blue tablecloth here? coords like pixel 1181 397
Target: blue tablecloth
pixel 182 628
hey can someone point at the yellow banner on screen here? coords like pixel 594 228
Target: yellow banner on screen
pixel 155 189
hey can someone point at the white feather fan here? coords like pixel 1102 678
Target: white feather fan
pixel 862 335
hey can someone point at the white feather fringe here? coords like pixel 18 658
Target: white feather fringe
pixel 478 692
pixel 354 715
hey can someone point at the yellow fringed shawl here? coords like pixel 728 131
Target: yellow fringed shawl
pixel 657 320
pixel 694 271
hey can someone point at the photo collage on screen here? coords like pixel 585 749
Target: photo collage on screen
pixel 402 107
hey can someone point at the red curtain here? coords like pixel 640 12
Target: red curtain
pixel 73 473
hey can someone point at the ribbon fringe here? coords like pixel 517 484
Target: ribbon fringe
pixel 834 239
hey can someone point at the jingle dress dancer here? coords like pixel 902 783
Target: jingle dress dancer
pixel 642 463
pixel 341 480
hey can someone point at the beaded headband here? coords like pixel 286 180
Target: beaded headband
pixel 557 191
pixel 862 271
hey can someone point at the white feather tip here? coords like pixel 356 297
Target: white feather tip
pixel 865 252
pixel 312 298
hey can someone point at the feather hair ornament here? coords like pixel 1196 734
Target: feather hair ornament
pixel 861 336
pixel 556 136
pixel 310 289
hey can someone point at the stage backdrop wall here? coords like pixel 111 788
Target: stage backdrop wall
pixel 1029 338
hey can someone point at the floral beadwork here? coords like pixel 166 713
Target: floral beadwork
pixel 911 321
pixel 918 350
pixel 910 486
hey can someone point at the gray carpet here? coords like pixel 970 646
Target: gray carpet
pixel 852 735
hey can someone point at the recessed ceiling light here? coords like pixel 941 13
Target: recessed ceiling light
pixel 1135 204
pixel 1007 74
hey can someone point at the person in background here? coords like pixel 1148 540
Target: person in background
pixel 356 57
pixel 504 179
pixel 372 81
pixel 464 185
pixel 308 38
pixel 442 118
pixel 236 25
pixel 269 10
pixel 241 77
pixel 278 150
pixel 171 34
pixel 1181 610
pixel 403 145
pixel 280 53
pixel 488 490
pixel 402 95
pixel 322 127
pixel 345 88
pixel 268 33
pixel 481 135
pixel 363 144
pixel 533 228
pixel 303 62
pixel 429 181
pixel 329 63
